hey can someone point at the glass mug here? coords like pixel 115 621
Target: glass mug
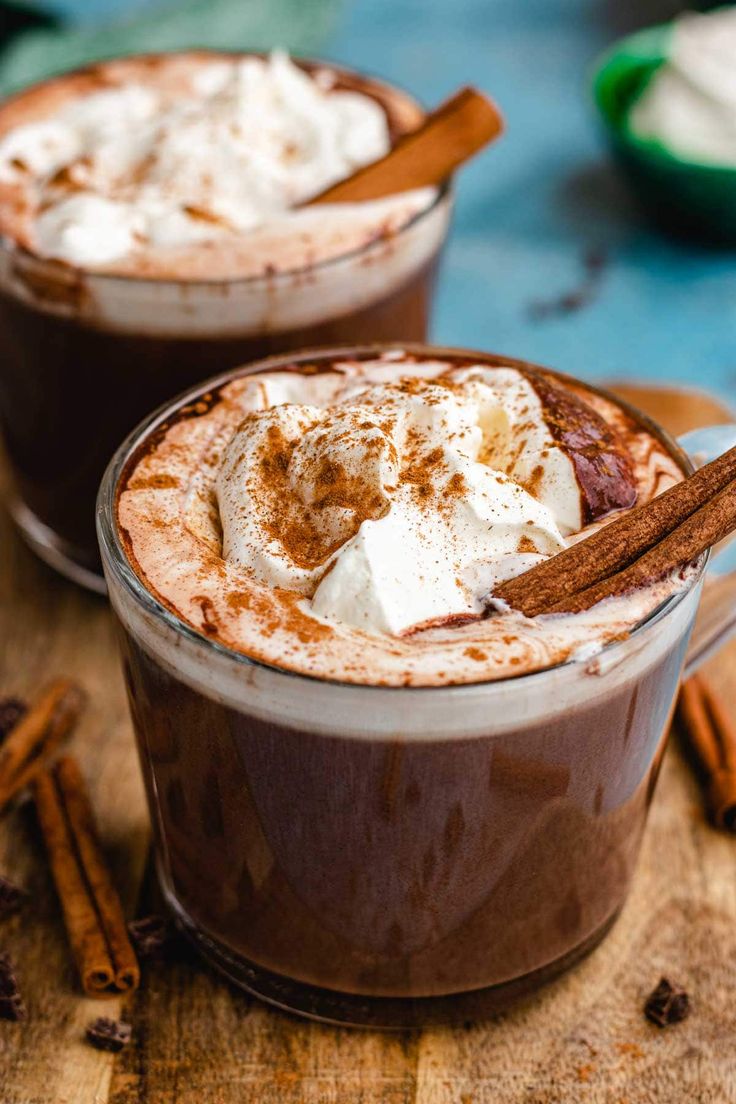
pixel 86 355
pixel 396 856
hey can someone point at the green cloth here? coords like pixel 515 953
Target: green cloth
pixel 298 25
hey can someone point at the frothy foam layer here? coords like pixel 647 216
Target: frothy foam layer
pixel 690 103
pixel 349 521
pixel 194 158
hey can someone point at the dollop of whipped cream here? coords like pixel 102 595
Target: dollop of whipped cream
pixel 689 105
pixel 140 166
pixel 404 503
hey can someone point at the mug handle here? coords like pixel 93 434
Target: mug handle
pixel 716 618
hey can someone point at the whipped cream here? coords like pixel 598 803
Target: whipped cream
pixel 689 105
pixel 351 522
pixel 402 504
pixel 168 164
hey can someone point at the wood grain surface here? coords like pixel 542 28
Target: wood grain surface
pixel 197 1041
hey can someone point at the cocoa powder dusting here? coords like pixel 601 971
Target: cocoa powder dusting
pixel 306 628
pixel 260 605
pixel 301 529
pixel 159 481
pixel 534 482
pixel 456 485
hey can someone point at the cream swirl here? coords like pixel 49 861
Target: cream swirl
pixel 404 503
pixel 348 520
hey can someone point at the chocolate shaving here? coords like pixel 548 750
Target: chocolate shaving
pixel 668 1004
pixel 11 1002
pixel 107 1034
pixel 602 466
pixel 152 937
pixel 594 262
pixel 12 898
pixel 11 711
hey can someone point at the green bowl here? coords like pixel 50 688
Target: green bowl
pixel 688 197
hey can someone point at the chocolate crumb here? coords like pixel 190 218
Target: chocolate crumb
pixel 12 898
pixel 667 1004
pixel 107 1034
pixel 11 711
pixel 152 937
pixel 594 262
pixel 11 1002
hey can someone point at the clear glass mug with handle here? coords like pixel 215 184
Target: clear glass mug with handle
pixel 86 354
pixel 394 857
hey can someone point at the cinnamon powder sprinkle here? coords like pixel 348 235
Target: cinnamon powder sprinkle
pixel 306 629
pixel 301 531
pixel 159 481
pixel 259 605
pixel 534 482
pixel 456 486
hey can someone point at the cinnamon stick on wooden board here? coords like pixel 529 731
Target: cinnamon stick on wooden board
pixel 710 730
pixel 92 911
pixel 672 529
pixel 37 735
pixel 450 135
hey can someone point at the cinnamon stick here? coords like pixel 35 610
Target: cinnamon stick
pixel 37 735
pixel 706 527
pixel 710 730
pixel 610 550
pixel 92 911
pixel 460 127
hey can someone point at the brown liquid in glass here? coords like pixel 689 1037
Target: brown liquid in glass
pixel 400 868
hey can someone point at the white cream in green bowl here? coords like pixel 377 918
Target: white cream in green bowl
pixel 689 105
pixel 668 98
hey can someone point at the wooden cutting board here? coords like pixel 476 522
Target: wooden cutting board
pixel 197 1041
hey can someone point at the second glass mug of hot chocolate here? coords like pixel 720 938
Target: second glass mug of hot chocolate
pixel 92 341
pixel 363 825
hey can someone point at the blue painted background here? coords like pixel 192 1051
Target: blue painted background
pixel 529 208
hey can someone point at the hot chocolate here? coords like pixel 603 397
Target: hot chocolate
pixel 349 518
pixel 153 233
pixel 377 798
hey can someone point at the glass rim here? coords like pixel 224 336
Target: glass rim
pixel 67 271
pixel 114 554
